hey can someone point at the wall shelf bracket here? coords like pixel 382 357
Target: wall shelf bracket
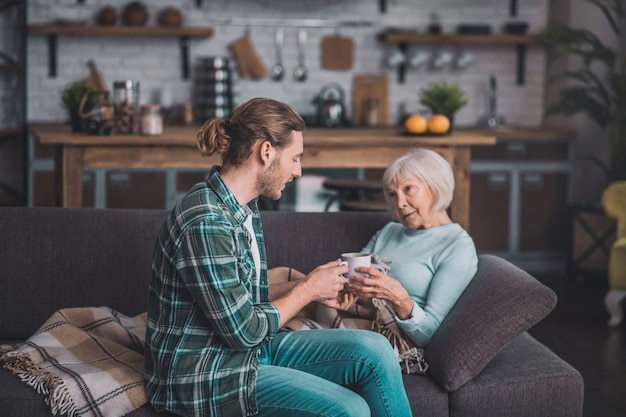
pixel 52 55
pixel 521 63
pixel 404 48
pixel 184 56
pixel 382 6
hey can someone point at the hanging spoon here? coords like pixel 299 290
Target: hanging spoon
pixel 300 72
pixel 278 71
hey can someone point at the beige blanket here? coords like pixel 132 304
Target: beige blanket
pixel 85 361
pixel 368 314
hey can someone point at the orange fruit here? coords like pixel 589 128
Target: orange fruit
pixel 415 124
pixel 438 124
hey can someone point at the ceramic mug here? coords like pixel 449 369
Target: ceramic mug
pixel 356 260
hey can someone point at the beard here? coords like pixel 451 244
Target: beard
pixel 269 184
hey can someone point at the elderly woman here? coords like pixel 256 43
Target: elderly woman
pixel 432 259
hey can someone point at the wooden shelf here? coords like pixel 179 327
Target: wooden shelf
pixel 6 3
pixel 403 38
pixel 409 37
pixel 10 67
pixel 119 31
pixel 52 31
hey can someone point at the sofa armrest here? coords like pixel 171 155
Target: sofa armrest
pixel 501 302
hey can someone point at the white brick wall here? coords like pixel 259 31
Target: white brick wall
pixel 156 62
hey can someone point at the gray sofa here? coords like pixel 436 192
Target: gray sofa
pixel 482 361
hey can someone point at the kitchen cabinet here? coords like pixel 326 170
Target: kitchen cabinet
pixel 53 31
pixel 13 145
pixel 520 191
pixel 404 38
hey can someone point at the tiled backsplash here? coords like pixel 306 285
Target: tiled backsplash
pixel 156 62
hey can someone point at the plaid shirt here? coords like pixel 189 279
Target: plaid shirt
pixel 208 315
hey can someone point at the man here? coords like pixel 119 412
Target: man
pixel 214 344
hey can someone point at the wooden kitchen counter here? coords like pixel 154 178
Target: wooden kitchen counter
pixel 323 148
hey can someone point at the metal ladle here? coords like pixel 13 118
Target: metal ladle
pixel 278 71
pixel 300 72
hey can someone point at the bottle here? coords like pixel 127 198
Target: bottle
pixel 126 107
pixel 151 120
pixel 370 112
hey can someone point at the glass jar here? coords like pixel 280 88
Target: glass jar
pixel 126 107
pixel 151 120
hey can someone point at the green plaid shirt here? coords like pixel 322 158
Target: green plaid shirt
pixel 208 315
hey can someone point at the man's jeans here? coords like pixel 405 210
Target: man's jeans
pixel 332 373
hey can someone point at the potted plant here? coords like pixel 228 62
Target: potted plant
pixel 598 86
pixel 72 97
pixel 443 98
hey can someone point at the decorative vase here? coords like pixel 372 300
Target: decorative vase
pixel 78 123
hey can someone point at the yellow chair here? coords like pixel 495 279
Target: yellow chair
pixel 614 204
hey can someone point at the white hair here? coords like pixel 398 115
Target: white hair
pixel 427 166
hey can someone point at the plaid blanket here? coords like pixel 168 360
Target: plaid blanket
pixel 368 314
pixel 85 361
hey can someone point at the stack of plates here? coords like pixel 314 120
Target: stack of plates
pixel 212 89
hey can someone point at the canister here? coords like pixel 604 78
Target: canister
pixel 126 107
pixel 151 120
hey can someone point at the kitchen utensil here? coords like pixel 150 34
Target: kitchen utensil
pixel 248 61
pixel 96 78
pixel 98 84
pixel 493 119
pixel 337 52
pixel 300 72
pixel 331 110
pixel 368 89
pixel 278 71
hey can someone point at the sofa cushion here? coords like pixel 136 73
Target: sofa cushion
pixel 501 302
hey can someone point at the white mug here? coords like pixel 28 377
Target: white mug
pixel 395 58
pixel 356 260
pixel 442 59
pixel 418 59
pixel 464 59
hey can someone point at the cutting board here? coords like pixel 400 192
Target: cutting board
pixel 367 87
pixel 337 52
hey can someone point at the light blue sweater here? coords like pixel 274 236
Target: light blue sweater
pixel 434 265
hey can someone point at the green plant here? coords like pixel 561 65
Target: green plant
pixel 602 97
pixel 73 94
pixel 443 98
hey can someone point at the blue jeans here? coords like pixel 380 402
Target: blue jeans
pixel 330 373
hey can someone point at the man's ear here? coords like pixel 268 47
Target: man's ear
pixel 267 152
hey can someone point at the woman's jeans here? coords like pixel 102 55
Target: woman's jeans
pixel 330 373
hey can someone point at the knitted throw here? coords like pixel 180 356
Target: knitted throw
pixel 85 361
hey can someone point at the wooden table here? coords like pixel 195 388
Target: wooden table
pixel 323 148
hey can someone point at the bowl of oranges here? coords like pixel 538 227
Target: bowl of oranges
pixel 435 125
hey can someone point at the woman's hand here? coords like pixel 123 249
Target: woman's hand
pixel 343 301
pixel 382 286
